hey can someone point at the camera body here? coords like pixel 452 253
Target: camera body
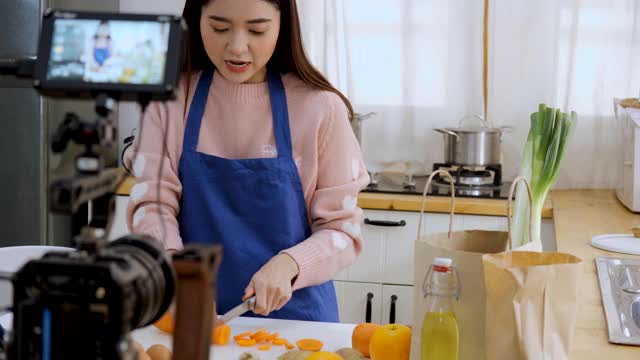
pixel 84 304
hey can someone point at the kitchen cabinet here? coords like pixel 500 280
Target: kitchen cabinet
pixel 359 302
pixel 397 304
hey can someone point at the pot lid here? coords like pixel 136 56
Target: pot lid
pixel 478 125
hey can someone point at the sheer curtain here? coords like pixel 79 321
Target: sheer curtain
pixel 571 54
pixel 417 63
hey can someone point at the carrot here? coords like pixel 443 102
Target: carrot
pixel 271 337
pixel 264 347
pixel 260 337
pixel 279 341
pixel 309 344
pixel 220 335
pixel 289 346
pixel 244 335
pixel 246 342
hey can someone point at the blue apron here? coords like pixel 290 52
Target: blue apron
pixel 254 208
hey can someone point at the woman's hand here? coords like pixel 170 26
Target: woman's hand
pixel 271 285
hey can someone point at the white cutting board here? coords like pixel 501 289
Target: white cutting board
pixel 334 336
pixel 620 243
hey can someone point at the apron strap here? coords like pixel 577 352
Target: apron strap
pixel 280 113
pixel 196 110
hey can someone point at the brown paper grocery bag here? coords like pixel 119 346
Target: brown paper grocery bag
pixel 466 249
pixel 531 298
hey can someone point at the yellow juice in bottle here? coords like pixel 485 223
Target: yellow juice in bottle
pixel 439 340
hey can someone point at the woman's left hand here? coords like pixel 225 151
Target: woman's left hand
pixel 271 285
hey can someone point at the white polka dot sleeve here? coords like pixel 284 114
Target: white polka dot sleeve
pixel 148 209
pixel 336 239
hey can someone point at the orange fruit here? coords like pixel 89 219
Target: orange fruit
pixel 390 342
pixel 324 355
pixel 361 337
pixel 220 335
pixel 165 323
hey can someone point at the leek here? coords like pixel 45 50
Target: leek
pixel 545 149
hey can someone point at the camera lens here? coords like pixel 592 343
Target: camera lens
pixel 154 282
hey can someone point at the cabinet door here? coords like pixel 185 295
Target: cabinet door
pixel 399 242
pixel 397 304
pixel 353 298
pixel 477 222
pixel 368 266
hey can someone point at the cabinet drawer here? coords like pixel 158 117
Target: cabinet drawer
pixel 399 242
pixel 353 298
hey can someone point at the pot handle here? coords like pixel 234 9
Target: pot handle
pixel 478 117
pixel 448 132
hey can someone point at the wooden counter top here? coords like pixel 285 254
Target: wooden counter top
pixel 578 216
pixel 441 204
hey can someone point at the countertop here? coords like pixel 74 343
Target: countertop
pixel 334 336
pixel 578 216
pixel 400 202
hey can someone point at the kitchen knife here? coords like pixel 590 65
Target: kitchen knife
pixel 239 310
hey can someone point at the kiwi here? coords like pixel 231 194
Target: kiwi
pixel 350 354
pixel 249 356
pixel 295 355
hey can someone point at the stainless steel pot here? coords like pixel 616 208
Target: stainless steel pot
pixel 473 145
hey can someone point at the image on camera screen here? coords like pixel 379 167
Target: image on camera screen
pixel 109 51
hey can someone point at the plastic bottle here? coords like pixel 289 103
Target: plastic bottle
pixel 440 336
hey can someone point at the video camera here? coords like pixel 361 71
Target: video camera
pixel 85 303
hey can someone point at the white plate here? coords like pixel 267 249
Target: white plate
pixel 620 243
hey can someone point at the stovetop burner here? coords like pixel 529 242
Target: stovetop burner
pixel 469 178
pixel 478 182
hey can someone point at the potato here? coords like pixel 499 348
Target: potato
pixel 159 352
pixel 295 355
pixel 350 354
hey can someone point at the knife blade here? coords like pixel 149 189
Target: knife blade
pixel 239 310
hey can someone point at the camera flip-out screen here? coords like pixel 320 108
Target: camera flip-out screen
pixel 126 55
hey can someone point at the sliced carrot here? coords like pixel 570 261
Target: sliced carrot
pixel 246 342
pixel 271 337
pixel 279 341
pixel 310 344
pixel 244 335
pixel 264 347
pixel 260 337
pixel 289 346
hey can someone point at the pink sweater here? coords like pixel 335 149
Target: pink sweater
pixel 237 124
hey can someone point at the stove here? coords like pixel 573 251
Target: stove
pixel 475 182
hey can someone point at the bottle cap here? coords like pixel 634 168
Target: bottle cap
pixel 442 262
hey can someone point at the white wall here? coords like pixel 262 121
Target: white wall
pixel 129 113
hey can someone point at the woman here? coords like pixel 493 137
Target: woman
pixel 261 159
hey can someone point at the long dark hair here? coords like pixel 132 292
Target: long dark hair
pixel 289 55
